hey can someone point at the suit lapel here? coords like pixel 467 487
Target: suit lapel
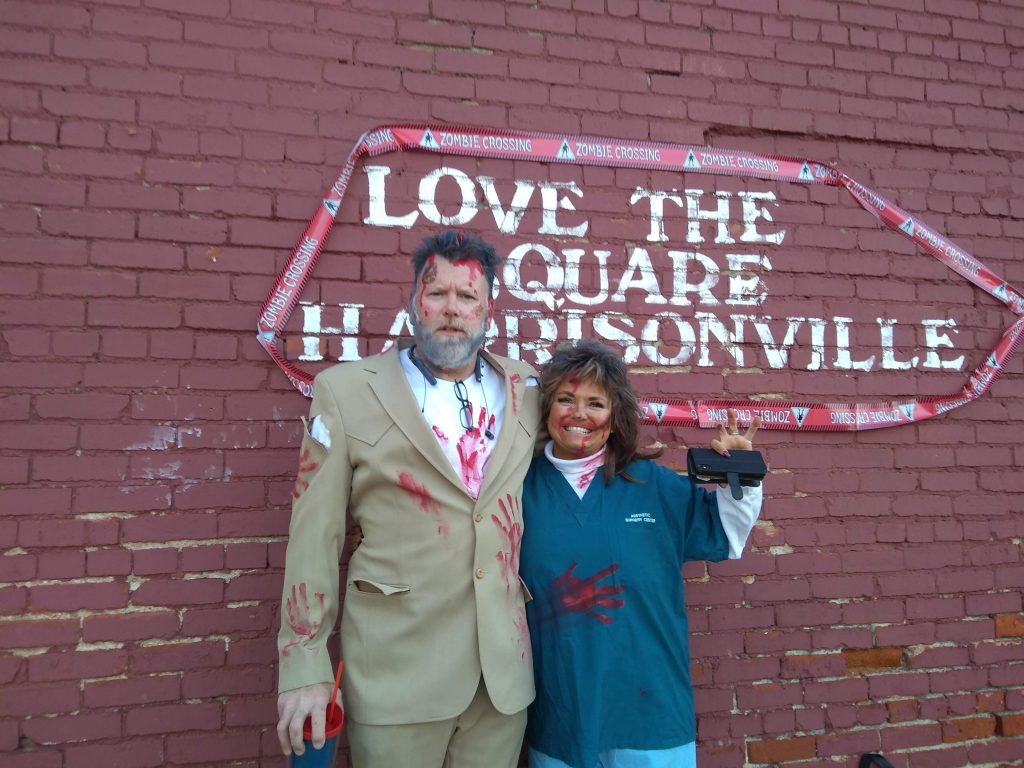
pixel 392 390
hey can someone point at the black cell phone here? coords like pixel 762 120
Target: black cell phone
pixel 739 468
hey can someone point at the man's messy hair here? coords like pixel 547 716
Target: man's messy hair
pixel 457 246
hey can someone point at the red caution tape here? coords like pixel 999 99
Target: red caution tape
pixel 615 153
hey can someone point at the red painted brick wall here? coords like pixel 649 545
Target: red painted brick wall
pixel 159 161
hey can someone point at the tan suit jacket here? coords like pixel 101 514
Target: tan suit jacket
pixel 433 598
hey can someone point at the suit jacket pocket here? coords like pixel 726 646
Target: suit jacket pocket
pixel 372 588
pixel 369 426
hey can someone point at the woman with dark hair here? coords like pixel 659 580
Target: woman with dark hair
pixel 602 559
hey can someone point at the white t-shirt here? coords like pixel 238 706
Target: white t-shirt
pixel 468 450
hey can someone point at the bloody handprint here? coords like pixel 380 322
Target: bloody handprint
pixel 299 619
pixel 305 465
pixel 473 454
pixel 511 531
pixel 573 595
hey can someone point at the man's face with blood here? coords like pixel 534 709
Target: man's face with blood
pixel 450 309
pixel 580 419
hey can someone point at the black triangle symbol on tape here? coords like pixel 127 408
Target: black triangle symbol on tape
pixel 908 226
pixel 691 162
pixel 429 141
pixel 805 173
pixel 799 414
pixel 908 411
pixel 332 206
pixel 565 151
pixel 659 411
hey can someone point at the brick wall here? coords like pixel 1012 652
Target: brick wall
pixel 160 160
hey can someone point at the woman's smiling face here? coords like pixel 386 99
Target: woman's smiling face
pixel 580 419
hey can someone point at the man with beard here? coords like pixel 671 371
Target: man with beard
pixel 426 447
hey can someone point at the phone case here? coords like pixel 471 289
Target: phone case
pixel 740 468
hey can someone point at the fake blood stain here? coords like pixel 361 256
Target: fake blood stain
pixel 429 275
pixel 524 635
pixel 513 381
pixel 305 466
pixel 472 451
pixel 299 617
pixel 598 433
pixel 475 267
pixel 585 596
pixel 510 531
pixel 426 502
pixel 589 470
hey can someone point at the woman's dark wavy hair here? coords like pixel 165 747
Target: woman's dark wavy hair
pixel 592 362
pixel 456 246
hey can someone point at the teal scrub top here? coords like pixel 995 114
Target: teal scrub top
pixel 608 620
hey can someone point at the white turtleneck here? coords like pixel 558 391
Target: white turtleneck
pixel 578 472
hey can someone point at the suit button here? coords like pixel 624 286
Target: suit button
pixel 478 517
pixel 479 573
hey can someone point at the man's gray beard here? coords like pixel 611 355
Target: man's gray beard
pixel 445 354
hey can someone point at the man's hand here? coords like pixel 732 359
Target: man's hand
pixel 293 707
